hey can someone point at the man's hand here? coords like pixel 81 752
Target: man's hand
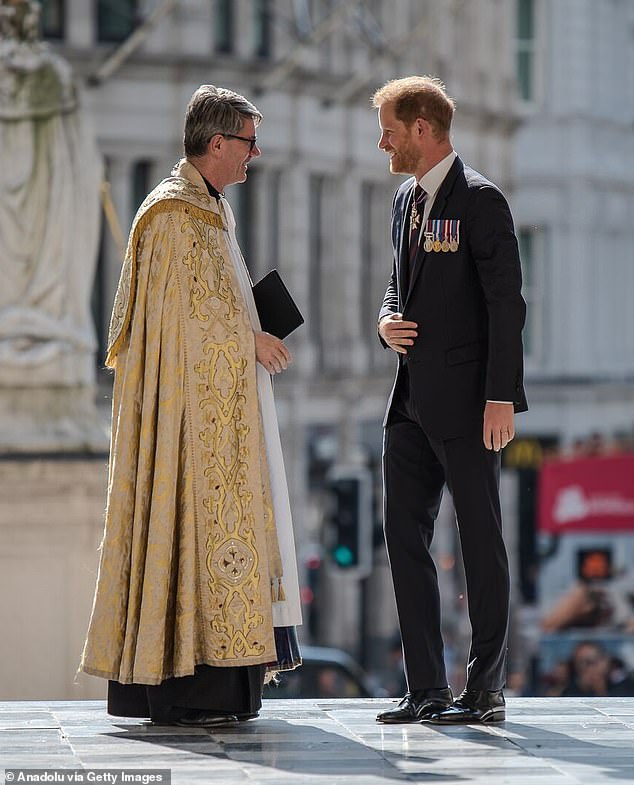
pixel 271 352
pixel 499 428
pixel 396 333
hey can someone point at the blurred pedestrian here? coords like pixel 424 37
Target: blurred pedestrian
pixel 594 672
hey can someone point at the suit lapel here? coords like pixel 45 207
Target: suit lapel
pixel 437 211
pixel 403 254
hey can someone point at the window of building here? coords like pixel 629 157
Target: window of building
pixel 327 305
pixel 140 184
pixel 244 203
pixel 374 266
pixel 526 49
pixel 52 18
pixel 532 245
pixel 273 219
pixel 116 19
pixel 302 16
pixel 316 262
pixel 224 25
pixel 368 308
pixel 99 297
pixel 263 28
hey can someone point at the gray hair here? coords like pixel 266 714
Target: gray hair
pixel 214 110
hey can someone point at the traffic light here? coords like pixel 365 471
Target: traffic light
pixel 349 533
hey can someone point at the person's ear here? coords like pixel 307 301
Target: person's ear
pixel 215 143
pixel 420 126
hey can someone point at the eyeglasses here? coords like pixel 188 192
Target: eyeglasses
pixel 252 140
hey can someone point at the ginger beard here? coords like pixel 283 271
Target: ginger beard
pixel 405 159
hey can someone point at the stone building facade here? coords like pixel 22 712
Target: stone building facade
pixel 574 153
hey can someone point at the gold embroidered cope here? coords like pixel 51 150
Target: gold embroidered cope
pixel 190 562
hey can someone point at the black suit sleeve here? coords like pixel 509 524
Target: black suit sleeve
pixel 493 246
pixel 390 299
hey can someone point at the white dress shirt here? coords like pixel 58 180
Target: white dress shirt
pixel 431 181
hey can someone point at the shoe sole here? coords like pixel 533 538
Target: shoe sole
pixel 209 726
pixel 493 715
pixel 397 722
pixel 223 724
pixel 412 721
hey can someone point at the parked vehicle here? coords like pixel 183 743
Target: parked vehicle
pixel 324 673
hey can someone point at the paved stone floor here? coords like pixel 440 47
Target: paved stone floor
pixel 545 741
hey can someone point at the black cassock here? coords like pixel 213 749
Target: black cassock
pixel 234 690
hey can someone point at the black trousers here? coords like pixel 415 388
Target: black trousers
pixel 415 470
pixel 220 690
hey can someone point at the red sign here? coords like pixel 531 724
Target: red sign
pixel 590 494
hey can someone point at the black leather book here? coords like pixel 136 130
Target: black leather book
pixel 276 308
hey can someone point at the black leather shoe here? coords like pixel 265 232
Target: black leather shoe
pixel 205 719
pixel 473 706
pixel 245 717
pixel 417 705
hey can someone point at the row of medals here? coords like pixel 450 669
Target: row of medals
pixel 430 243
pixel 436 245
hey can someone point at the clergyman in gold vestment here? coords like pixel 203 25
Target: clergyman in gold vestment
pixel 197 593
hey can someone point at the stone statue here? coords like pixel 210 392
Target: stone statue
pixel 19 20
pixel 50 173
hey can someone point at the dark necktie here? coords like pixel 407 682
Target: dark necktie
pixel 415 227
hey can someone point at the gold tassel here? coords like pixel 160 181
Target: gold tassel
pixel 277 590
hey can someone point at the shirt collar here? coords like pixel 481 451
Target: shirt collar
pixel 212 191
pixel 431 181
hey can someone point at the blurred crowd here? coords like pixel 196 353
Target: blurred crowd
pixel 590 671
pixel 597 444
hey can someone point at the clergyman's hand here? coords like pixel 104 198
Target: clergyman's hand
pixel 396 333
pixel 499 427
pixel 271 352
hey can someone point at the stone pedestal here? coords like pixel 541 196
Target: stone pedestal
pixel 51 420
pixel 51 522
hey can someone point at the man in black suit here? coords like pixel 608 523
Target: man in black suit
pixel 453 313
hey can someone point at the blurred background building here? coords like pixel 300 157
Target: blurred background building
pixel 545 108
